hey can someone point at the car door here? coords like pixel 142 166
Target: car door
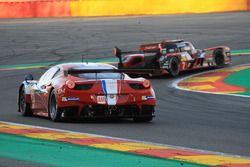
pixel 40 91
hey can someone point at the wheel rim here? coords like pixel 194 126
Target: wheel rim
pixel 22 101
pixel 53 107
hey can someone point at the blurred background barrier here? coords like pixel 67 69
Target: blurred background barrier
pixel 62 8
pixel 24 9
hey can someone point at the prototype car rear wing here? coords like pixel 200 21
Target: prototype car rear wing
pixel 118 53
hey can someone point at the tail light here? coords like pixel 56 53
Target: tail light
pixel 70 84
pixel 146 83
pixel 117 52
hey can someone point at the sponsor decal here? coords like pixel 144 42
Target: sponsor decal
pixel 147 97
pixel 70 99
pixel 150 47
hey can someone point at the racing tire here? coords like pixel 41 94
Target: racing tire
pixel 54 111
pixel 219 58
pixel 174 66
pixel 23 106
pixel 143 119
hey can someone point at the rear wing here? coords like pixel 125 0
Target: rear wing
pixel 118 53
pixel 130 71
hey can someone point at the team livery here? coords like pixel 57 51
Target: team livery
pixel 173 56
pixel 87 90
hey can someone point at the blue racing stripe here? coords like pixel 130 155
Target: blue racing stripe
pixel 104 87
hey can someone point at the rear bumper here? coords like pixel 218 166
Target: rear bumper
pixel 105 111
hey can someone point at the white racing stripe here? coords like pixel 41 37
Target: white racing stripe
pixel 110 89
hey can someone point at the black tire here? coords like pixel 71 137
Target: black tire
pixel 23 106
pixel 174 66
pixel 219 58
pixel 143 119
pixel 54 111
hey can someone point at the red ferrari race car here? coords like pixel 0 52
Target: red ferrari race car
pixel 87 90
pixel 172 56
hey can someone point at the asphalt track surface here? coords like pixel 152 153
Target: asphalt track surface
pixel 194 120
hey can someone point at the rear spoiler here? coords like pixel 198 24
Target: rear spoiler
pixel 118 53
pixel 84 71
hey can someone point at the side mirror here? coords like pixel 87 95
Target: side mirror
pixel 28 77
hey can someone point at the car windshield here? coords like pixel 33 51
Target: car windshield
pixel 183 47
pixel 100 75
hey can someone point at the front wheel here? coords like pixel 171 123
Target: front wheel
pixel 54 111
pixel 23 106
pixel 174 66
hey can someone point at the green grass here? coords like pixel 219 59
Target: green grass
pixel 64 154
pixel 242 79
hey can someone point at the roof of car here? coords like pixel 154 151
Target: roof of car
pixel 164 43
pixel 173 41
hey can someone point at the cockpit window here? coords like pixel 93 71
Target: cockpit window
pixel 184 47
pixel 101 75
pixel 171 48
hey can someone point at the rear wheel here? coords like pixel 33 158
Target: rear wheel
pixel 174 68
pixel 23 106
pixel 219 58
pixel 54 111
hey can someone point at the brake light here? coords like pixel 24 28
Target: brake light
pixel 146 83
pixel 70 84
pixel 115 51
pixel 160 47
